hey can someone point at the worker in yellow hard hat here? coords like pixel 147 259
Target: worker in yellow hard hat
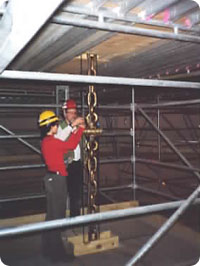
pixel 53 150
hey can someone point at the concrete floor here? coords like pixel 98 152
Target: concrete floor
pixel 180 247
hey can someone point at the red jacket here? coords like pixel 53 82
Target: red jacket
pixel 54 149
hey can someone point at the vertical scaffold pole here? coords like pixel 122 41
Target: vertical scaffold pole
pixel 158 125
pixel 133 139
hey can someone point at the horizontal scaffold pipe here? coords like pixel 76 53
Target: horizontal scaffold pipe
pixel 86 79
pixel 114 27
pixel 105 134
pixel 29 166
pixel 19 136
pixel 90 218
pixel 168 165
pixel 130 17
pixel 99 107
pixel 30 197
pixel 111 160
pixel 17 167
pixel 27 144
pixel 155 192
pixel 107 161
pixel 15 105
pixel 41 196
pixel 107 107
pixel 169 104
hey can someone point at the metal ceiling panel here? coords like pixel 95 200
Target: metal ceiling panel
pixel 84 26
pixel 21 24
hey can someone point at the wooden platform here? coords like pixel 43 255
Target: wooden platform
pixel 106 241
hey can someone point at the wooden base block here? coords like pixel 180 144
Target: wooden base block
pixel 119 205
pixel 107 241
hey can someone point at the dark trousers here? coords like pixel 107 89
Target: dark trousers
pixel 56 197
pixel 75 184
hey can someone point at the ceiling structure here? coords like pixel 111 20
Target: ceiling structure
pixel 132 38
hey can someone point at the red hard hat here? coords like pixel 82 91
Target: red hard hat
pixel 69 104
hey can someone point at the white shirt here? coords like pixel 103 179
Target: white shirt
pixel 63 134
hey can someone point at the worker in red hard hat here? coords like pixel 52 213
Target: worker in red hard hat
pixel 53 151
pixel 73 158
pixel 69 104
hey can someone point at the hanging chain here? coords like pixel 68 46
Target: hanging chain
pixel 92 146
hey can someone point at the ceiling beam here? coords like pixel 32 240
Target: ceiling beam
pixel 182 8
pixel 20 23
pixel 98 3
pixel 86 79
pixel 114 27
pixel 127 5
pixel 115 14
pixel 156 6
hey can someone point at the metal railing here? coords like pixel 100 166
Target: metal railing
pixel 97 217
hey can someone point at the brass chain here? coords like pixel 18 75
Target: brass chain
pixel 92 146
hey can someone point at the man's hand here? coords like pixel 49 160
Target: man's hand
pixel 78 122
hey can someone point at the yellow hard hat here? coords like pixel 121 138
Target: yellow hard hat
pixel 47 117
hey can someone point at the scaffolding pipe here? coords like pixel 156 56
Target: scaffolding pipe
pixel 117 187
pixel 168 104
pixel 21 140
pixel 117 133
pixel 175 12
pixel 86 79
pixel 158 193
pixel 19 136
pixel 106 189
pixel 106 107
pixel 17 167
pixel 90 218
pixel 107 197
pixel 133 143
pixel 167 165
pixel 106 13
pixel 164 228
pixel 105 134
pixel 193 148
pixel 103 161
pixel 167 140
pixel 115 160
pixel 14 105
pixel 192 19
pixel 40 196
pixel 113 27
pixel 155 7
pixel 158 125
pixel 127 5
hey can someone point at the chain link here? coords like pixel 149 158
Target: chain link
pixel 92 146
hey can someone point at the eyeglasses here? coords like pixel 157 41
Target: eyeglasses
pixel 71 112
